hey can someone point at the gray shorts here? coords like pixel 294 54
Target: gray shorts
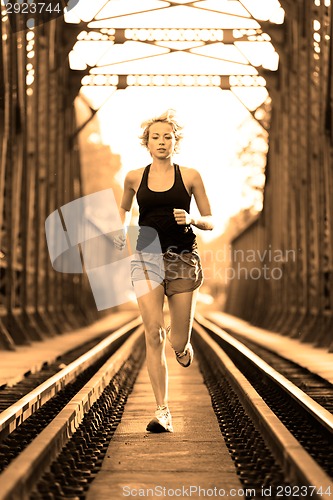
pixel 177 273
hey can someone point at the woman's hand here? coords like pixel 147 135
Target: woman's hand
pixel 204 222
pixel 119 239
pixel 181 216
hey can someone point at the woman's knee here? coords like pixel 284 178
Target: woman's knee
pixel 155 335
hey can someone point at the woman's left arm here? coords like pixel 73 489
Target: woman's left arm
pixel 205 221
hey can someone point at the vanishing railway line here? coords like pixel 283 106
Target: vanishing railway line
pixel 54 439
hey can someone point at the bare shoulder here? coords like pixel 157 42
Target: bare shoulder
pixel 133 178
pixel 190 175
pixel 191 179
pixel 133 175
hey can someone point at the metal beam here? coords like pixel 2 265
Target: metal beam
pixel 155 35
pixel 169 80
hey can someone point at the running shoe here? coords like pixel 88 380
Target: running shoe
pixel 185 358
pixel 162 421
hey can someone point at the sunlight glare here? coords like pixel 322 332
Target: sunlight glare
pixel 262 9
pixel 260 53
pixel 161 51
pixel 75 61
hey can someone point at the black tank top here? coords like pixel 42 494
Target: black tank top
pixel 156 211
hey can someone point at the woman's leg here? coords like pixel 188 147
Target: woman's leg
pixel 151 309
pixel 181 307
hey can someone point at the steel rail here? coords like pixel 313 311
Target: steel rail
pixel 17 413
pixel 21 476
pixel 300 466
pixel 323 416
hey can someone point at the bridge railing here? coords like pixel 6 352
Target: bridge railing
pixel 297 219
pixel 39 172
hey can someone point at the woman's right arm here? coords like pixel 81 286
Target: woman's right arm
pixel 119 240
pixel 128 196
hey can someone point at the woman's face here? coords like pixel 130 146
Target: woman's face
pixel 161 140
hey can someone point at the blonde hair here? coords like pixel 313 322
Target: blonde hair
pixel 167 117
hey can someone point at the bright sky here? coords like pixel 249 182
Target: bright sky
pixel 212 117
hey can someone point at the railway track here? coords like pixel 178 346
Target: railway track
pixel 316 387
pixel 10 394
pixel 296 429
pixel 35 428
pixel 279 437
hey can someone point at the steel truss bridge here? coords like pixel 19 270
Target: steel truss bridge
pixel 40 167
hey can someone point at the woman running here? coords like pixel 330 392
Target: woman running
pixel 164 191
